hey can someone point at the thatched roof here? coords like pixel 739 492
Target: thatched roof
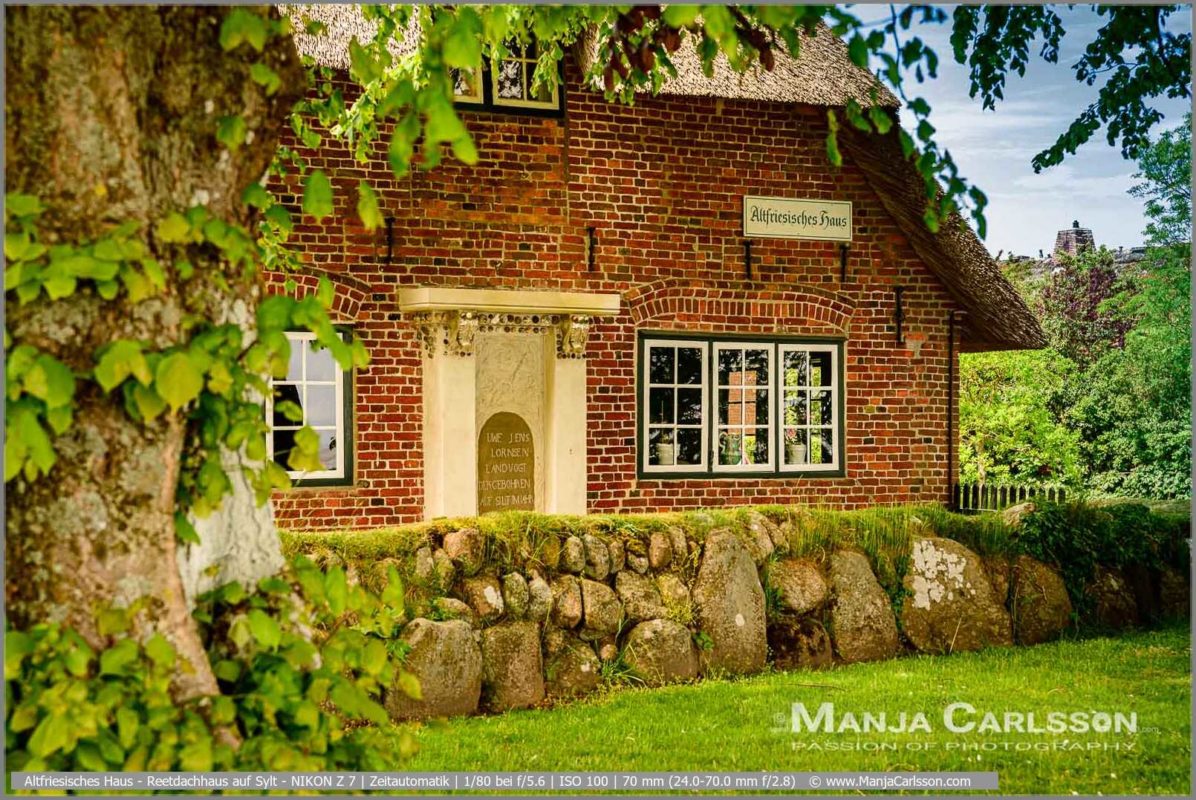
pixel 822 75
pixel 997 318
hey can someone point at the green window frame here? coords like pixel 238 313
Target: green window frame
pixel 738 406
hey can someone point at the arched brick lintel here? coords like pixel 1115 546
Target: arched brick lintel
pixel 347 301
pixel 797 309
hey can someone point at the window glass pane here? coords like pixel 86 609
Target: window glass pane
pixel 797 447
pixel 295 364
pixel 689 406
pixel 724 406
pixel 761 415
pixel 327 449
pixel 827 449
pixel 755 445
pixel 689 365
pixel 689 446
pixel 510 80
pixel 660 364
pixel 543 94
pixel 660 405
pixel 284 441
pixel 465 83
pixel 661 449
pixel 756 367
pixel 820 369
pixel 321 366
pixel 795 408
pixel 730 447
pixel 795 368
pixel 321 405
pixel 730 367
pixel 284 392
pixel 823 408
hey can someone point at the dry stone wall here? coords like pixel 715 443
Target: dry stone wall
pixel 497 627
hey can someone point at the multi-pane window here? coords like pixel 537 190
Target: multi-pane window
pixel 321 390
pixel 729 407
pixel 508 84
pixel 513 80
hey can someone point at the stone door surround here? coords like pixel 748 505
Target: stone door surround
pixel 451 322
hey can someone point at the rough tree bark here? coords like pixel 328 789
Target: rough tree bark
pixel 112 114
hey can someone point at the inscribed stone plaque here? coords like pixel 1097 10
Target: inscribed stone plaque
pixel 506 465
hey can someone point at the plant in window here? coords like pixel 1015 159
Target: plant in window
pixel 795 448
pixel 666 450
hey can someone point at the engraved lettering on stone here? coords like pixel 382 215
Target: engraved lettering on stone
pixel 506 465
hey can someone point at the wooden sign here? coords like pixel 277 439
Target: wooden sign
pixel 506 465
pixel 784 218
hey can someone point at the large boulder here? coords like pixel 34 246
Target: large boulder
pixel 730 606
pixel 759 537
pixel 950 604
pixel 1000 577
pixel 515 594
pixel 641 599
pixel 539 603
pixel 1175 599
pixel 452 608
pixel 573 556
pixel 512 667
pixel 800 584
pixel 571 668
pixel 799 644
pixel 1039 602
pixel 566 602
pixel 862 624
pixel 467 549
pixel 602 611
pixel 1112 599
pixel 661 651
pixel 660 551
pixel 597 557
pixel 445 659
pixel 484 594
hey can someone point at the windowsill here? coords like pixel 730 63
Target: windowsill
pixel 740 476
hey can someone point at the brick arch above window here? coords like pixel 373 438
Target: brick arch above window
pixel 742 306
pixel 350 294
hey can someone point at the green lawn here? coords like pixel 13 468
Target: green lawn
pixel 732 725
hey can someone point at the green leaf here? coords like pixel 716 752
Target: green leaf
pixel 148 402
pixel 127 724
pixel 51 735
pixel 117 658
pixel 243 25
pixel 681 16
pixel 22 205
pixel 178 380
pixel 336 588
pixel 160 651
pixel 857 50
pixel 17 645
pixel 317 195
pixel 118 361
pixel 231 131
pixel 463 46
pixel 262 75
pixel 50 381
pixel 255 195
pixel 174 228
pixel 264 628
pixel 409 685
pixel 367 206
pixel 392 595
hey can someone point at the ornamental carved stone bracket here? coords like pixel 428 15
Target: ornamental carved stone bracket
pixel 452 333
pixel 449 318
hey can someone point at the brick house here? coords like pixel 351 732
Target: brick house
pixel 672 305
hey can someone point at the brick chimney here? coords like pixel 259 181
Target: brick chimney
pixel 1070 241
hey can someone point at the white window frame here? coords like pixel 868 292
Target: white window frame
pixel 527 68
pixel 646 386
pixel 743 346
pixel 302 339
pixel 836 426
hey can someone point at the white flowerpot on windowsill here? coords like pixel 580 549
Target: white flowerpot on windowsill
pixel 795 452
pixel 666 453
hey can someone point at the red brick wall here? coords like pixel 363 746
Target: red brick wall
pixel 662 183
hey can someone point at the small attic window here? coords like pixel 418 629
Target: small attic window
pixel 507 85
pixel 512 81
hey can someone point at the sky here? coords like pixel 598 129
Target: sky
pixel 993 149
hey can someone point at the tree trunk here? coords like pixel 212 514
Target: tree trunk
pixel 112 115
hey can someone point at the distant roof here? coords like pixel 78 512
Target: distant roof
pixel 822 74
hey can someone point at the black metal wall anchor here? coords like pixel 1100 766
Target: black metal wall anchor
pixel 390 238
pixel 843 250
pixel 591 247
pixel 747 258
pixel 899 312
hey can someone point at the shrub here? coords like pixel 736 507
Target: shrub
pixel 301 663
